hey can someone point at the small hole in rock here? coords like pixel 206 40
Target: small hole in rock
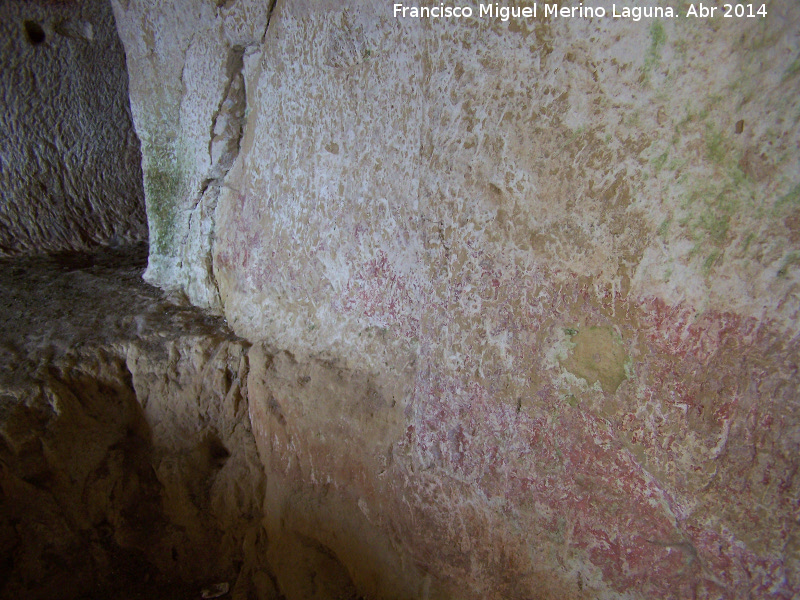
pixel 217 452
pixel 34 32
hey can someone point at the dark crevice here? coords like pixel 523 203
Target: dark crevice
pixel 225 136
pixel 270 12
pixel 34 33
pixel 232 107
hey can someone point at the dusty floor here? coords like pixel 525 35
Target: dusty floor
pixel 68 300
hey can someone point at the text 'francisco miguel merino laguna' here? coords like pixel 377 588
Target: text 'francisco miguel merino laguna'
pixel 504 13
pixel 634 13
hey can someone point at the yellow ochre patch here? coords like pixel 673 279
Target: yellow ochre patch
pixel 598 355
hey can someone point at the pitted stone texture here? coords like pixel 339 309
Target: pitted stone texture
pixel 71 174
pixel 479 204
pixel 568 247
pixel 447 151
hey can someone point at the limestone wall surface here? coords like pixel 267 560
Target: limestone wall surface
pixel 530 286
pixel 70 167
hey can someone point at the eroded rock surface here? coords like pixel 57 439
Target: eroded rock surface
pixel 523 294
pixel 128 466
pixel 70 166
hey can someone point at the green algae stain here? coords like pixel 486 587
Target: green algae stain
pixel 162 190
pixel 709 261
pixel 657 39
pixel 716 144
pixel 659 162
pixel 715 220
pixel 165 181
pixel 598 356
pixel 712 205
pixel 663 229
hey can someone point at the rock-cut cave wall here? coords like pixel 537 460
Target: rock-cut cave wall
pixel 523 294
pixel 514 303
pixel 70 166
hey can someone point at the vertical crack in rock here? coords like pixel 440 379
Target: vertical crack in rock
pixel 225 135
pixel 270 10
pixel 227 124
pixel 225 138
